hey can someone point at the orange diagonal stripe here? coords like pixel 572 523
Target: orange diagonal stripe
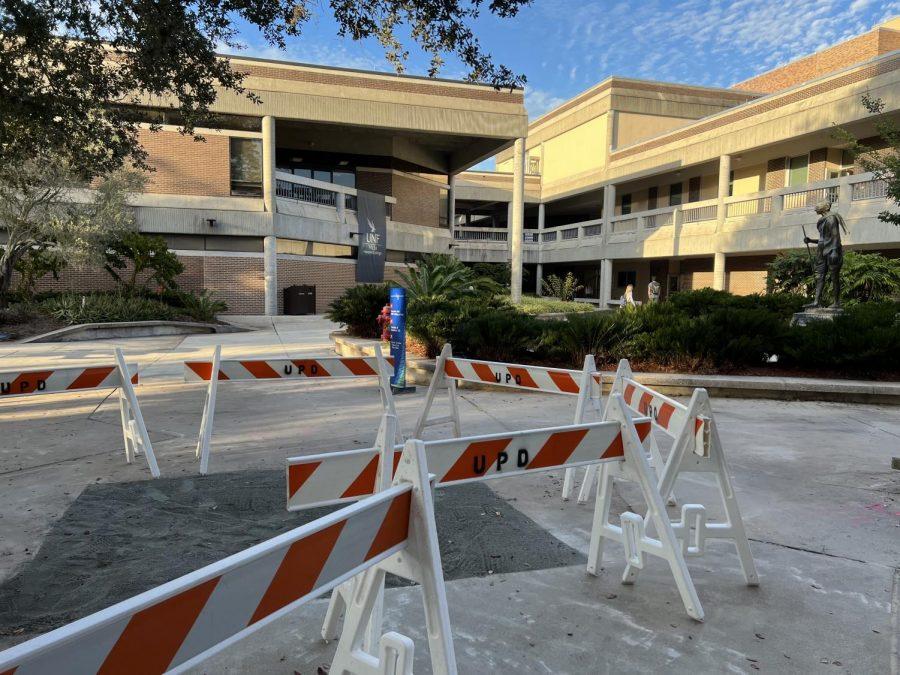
pixel 91 377
pixel 665 415
pixel 260 369
pixel 452 370
pixel 628 393
pixel 358 366
pixel 644 404
pixel 558 448
pixel 643 430
pixel 484 372
pixel 298 474
pixel 564 381
pixel 202 368
pixel 464 467
pixel 364 483
pixel 615 449
pixel 154 635
pixel 311 368
pixel 395 526
pixel 299 569
pixel 524 376
pixel 26 383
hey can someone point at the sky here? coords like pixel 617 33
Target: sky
pixel 564 47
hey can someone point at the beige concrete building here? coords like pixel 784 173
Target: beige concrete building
pixel 268 200
pixel 695 186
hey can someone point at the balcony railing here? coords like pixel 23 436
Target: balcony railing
pixel 491 234
pixel 748 207
pixel 320 193
pixel 624 224
pixel 803 199
pixel 696 214
pixel 870 189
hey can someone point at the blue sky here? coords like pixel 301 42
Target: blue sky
pixel 566 46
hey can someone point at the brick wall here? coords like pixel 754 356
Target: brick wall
pixel 818 160
pixel 855 50
pixel 185 166
pixel 418 203
pixel 745 275
pixel 329 278
pixel 775 174
pixel 379 182
pixel 696 273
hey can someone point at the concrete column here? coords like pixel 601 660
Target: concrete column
pixel 719 271
pixel 606 269
pixel 451 203
pixel 268 167
pixel 724 180
pixel 609 207
pixel 539 280
pixel 270 274
pixel 517 231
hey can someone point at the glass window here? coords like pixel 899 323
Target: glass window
pixel 626 204
pixel 303 173
pixel 324 176
pixel 798 170
pixel 246 167
pixel 731 183
pixel 675 194
pixel 345 178
pixel 652 197
pixel 625 277
pixel 694 189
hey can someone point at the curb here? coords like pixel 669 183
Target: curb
pixel 419 371
pixel 130 329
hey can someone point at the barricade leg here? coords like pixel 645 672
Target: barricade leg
pixel 209 412
pixel 635 467
pixel 134 428
pixel 585 388
pixel 438 380
pixel 420 562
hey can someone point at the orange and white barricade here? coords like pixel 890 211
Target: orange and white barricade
pixel 307 367
pixel 179 624
pixel 339 477
pixel 696 448
pixel 63 380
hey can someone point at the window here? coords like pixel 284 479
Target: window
pixel 345 178
pixel 731 183
pixel 694 189
pixel 246 167
pixel 652 197
pixel 625 277
pixel 626 204
pixel 534 165
pixel 675 194
pixel 798 170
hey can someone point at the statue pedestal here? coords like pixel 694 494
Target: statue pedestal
pixel 816 314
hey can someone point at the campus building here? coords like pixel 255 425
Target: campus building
pixel 695 186
pixel 632 179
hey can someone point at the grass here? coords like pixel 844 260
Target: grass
pixel 535 305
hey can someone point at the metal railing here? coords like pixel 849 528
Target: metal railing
pixel 471 234
pixel 570 233
pixel 306 193
pixel 806 198
pixel 548 236
pixel 532 237
pixel 748 207
pixel 592 230
pixel 658 220
pixel 870 189
pixel 699 213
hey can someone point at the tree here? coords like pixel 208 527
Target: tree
pixel 36 264
pixel 43 206
pixel 143 253
pixel 883 162
pixel 439 276
pixel 71 72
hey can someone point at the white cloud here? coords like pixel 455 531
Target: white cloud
pixel 538 102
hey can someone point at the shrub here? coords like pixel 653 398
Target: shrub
pixel 358 309
pixel 865 277
pixel 865 338
pixel 145 254
pixel 202 306
pixel 498 336
pixel 533 305
pixel 499 273
pixel 433 321
pixel 564 289
pixel 73 308
pixel 602 334
pixel 440 276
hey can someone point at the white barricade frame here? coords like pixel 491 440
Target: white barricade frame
pixel 70 379
pixel 340 477
pixel 696 448
pixel 181 623
pixel 300 368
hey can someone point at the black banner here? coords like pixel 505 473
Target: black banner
pixel 372 218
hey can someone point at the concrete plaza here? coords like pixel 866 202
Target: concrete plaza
pixel 820 503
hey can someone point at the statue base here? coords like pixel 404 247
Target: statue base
pixel 807 316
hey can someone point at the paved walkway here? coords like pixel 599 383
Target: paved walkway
pixel 820 502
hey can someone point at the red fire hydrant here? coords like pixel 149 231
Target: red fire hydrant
pixel 384 320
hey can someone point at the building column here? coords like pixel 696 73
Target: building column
pixel 606 269
pixel 451 203
pixel 719 271
pixel 268 167
pixel 724 181
pixel 539 276
pixel 270 274
pixel 270 247
pixel 609 208
pixel 517 231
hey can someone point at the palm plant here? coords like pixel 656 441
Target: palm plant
pixel 439 276
pixel 564 289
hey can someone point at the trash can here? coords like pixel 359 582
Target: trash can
pixel 299 300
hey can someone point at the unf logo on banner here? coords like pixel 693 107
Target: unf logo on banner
pixel 372 218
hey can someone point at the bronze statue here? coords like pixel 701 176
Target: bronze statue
pixel 829 253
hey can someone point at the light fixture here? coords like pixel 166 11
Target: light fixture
pixel 343 162
pixel 211 222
